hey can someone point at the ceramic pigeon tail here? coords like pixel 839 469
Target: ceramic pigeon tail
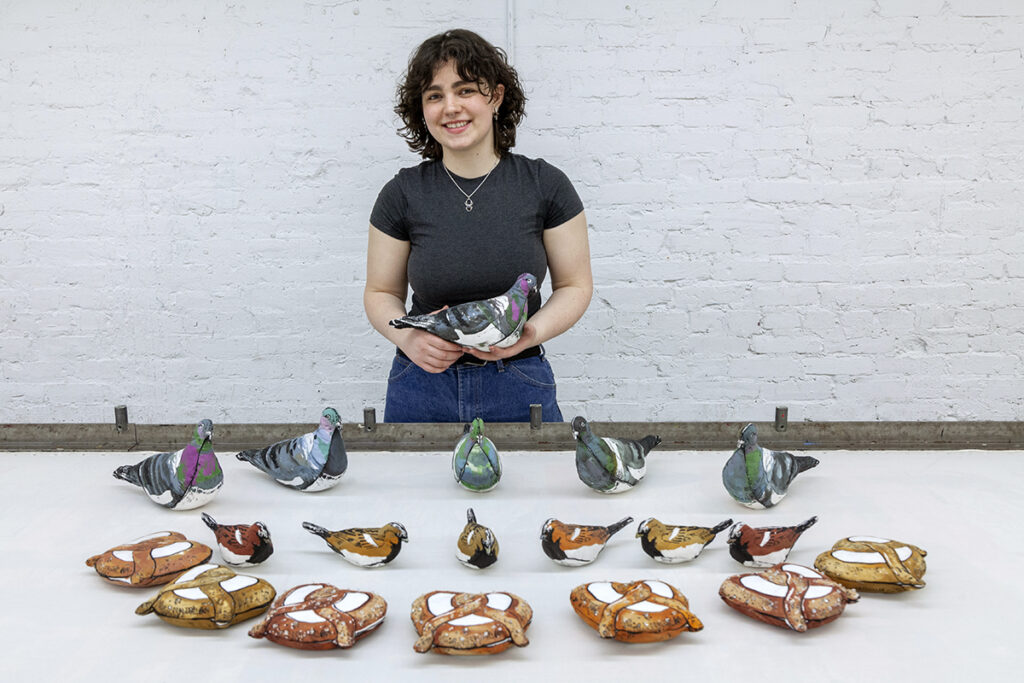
pixel 759 477
pixel 241 545
pixel 311 462
pixel 477 548
pixel 672 544
pixel 573 545
pixel 364 547
pixel 607 464
pixel 479 324
pixel 475 461
pixel 182 480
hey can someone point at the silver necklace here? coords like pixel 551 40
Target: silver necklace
pixel 469 197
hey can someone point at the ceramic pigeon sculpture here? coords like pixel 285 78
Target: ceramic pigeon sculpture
pixel 610 465
pixel 767 545
pixel 370 547
pixel 477 546
pixel 182 480
pixel 673 544
pixel 241 545
pixel 759 477
pixel 311 462
pixel 573 545
pixel 479 324
pixel 475 462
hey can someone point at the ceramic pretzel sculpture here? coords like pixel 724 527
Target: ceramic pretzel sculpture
pixel 149 561
pixel 787 595
pixel 635 612
pixel 873 564
pixel 210 597
pixel 319 616
pixel 454 623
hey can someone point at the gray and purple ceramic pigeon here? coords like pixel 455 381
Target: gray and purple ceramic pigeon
pixel 311 462
pixel 479 324
pixel 182 480
pixel 759 477
pixel 607 464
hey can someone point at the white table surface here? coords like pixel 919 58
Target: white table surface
pixel 61 621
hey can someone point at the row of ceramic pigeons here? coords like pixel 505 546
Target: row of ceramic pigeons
pixel 755 476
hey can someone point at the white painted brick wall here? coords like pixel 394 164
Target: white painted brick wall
pixel 809 204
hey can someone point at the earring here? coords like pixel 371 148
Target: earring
pixel 495 114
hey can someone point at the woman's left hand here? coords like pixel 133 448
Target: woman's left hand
pixel 528 339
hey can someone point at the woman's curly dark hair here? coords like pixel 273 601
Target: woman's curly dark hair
pixel 477 61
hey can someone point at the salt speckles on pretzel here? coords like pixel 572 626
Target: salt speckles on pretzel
pixel 149 561
pixel 319 616
pixel 787 595
pixel 874 564
pixel 470 623
pixel 638 612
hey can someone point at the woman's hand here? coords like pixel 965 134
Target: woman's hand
pixel 430 352
pixel 528 339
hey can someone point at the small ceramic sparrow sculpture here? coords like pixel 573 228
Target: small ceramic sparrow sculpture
pixel 759 477
pixel 182 480
pixel 767 545
pixel 241 545
pixel 673 544
pixel 311 462
pixel 475 462
pixel 497 321
pixel 369 547
pixel 477 546
pixel 610 465
pixel 573 545
pixel 787 595
pixel 875 565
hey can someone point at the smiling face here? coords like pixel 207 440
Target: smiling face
pixel 460 114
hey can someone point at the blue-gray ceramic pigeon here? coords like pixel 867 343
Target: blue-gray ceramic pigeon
pixel 311 462
pixel 479 324
pixel 475 462
pixel 180 480
pixel 607 464
pixel 759 477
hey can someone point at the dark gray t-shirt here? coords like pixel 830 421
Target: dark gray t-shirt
pixel 457 255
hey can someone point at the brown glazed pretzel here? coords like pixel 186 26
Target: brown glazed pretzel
pixel 633 617
pixel 891 575
pixel 337 629
pixel 144 570
pixel 495 631
pixel 784 599
pixel 219 608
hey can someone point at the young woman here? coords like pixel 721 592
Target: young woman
pixel 461 226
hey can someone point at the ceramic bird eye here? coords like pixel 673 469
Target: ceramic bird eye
pixel 241 545
pixel 610 465
pixel 475 461
pixel 767 545
pixel 873 564
pixel 497 321
pixel 477 547
pixel 182 480
pixel 759 477
pixel 787 595
pixel 454 623
pixel 573 545
pixel 311 462
pixel 364 547
pixel 635 612
pixel 672 544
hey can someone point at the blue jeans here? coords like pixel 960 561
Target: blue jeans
pixel 495 392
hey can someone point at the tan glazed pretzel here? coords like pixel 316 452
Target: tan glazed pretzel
pixel 149 561
pixel 787 595
pixel 319 616
pixel 638 612
pixel 210 596
pixel 874 564
pixel 470 623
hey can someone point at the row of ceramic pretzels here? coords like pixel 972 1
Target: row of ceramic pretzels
pixel 321 616
pixel 188 478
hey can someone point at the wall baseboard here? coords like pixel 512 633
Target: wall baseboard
pixel 712 436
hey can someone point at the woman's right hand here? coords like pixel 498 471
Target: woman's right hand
pixel 429 351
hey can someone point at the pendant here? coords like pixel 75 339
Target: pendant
pixel 469 204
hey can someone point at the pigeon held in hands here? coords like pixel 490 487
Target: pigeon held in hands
pixel 759 477
pixel 311 462
pixel 497 321
pixel 607 464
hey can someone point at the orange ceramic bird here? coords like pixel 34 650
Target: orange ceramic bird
pixel 764 546
pixel 241 545
pixel 575 544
